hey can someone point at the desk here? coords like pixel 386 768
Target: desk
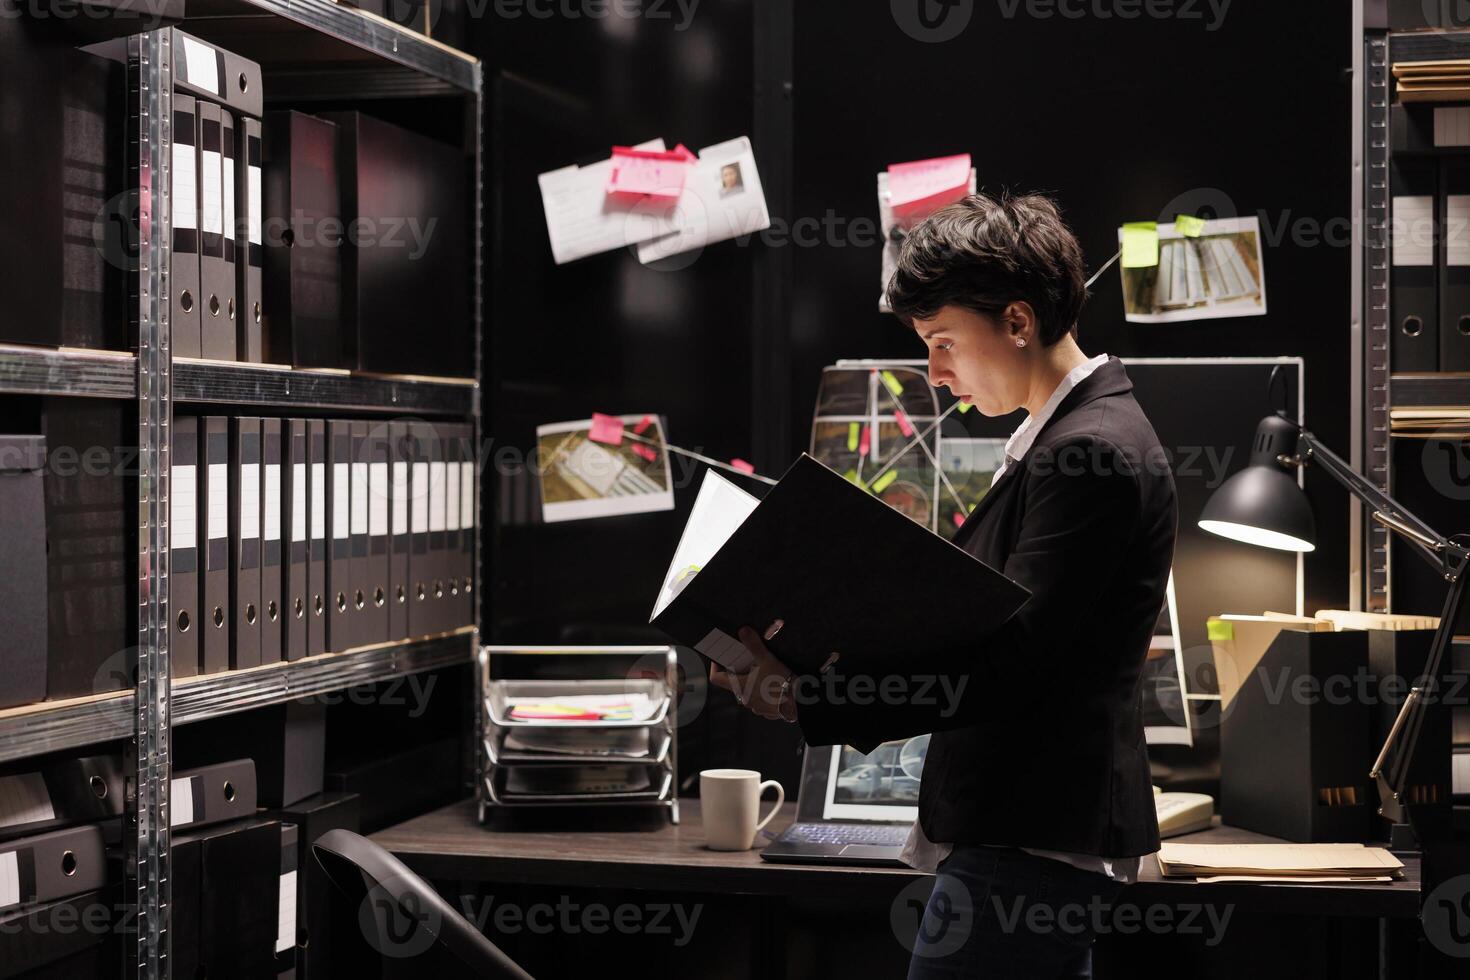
pixel 449 845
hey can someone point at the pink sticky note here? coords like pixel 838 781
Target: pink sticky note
pixel 864 442
pixel 742 466
pixel 647 173
pixel 643 424
pixel 606 428
pixel 959 519
pixel 926 184
pixel 904 425
pixel 645 451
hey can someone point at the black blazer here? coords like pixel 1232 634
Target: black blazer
pixel 1037 728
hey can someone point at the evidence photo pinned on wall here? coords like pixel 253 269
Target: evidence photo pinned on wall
pixel 1192 269
pixel 910 192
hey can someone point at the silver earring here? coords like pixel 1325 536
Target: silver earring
pixel 1020 341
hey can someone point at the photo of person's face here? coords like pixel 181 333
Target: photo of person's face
pixel 730 180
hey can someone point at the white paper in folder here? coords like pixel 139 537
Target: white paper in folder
pixel 582 220
pixel 723 199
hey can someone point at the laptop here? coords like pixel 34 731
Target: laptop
pixel 854 808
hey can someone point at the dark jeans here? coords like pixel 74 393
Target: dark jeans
pixel 998 912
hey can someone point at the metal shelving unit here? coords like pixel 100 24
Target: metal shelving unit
pixel 309 50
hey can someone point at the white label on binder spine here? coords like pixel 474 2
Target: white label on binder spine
pixel 1457 229
pixel 249 501
pixel 400 497
pixel 272 494
pixel 183 492
pixel 229 192
pixel 210 215
pixel 420 497
pixel 378 499
pixel 359 498
pixel 185 202
pixel 467 496
pixel 318 501
pixel 23 800
pixel 451 497
pixel 1411 231
pixel 286 913
pixel 298 501
pixel 219 501
pixel 181 801
pixel 200 61
pixel 9 880
pixel 341 526
pixel 252 178
pixel 436 496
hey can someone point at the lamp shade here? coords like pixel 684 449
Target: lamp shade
pixel 1262 504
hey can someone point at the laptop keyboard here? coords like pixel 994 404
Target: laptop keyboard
pixel 848 833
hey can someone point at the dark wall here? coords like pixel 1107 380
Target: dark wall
pixel 1122 120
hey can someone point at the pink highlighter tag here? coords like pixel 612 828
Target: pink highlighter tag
pixel 742 466
pixel 649 173
pixel 606 429
pixel 904 425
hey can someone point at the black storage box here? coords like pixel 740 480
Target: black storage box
pixel 315 902
pixel 23 577
pixel 230 873
pixel 1295 744
pixel 287 742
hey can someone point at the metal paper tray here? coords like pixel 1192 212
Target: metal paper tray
pixel 498 711
pixel 664 780
pixel 660 741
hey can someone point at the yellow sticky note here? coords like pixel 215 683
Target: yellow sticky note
pixel 1189 226
pixel 965 407
pixel 852 436
pixel 884 481
pixel 1140 244
pixel 1219 629
pixel 972 508
pixel 853 477
pixel 892 383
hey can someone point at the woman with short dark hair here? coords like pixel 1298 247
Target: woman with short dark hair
pixel 1035 806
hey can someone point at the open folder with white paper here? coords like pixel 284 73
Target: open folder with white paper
pixel 843 570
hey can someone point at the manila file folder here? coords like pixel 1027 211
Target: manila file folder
pixel 843 570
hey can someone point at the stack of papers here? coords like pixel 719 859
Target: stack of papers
pixel 1343 619
pixel 1433 81
pixel 583 708
pixel 1278 862
pixel 578 741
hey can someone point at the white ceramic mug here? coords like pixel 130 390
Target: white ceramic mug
pixel 728 800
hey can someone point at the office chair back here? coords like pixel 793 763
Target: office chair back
pixel 402 918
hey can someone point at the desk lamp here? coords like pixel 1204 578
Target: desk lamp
pixel 1264 505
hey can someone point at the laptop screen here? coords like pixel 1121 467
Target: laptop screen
pixel 882 785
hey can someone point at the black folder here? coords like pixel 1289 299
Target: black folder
pixel 216 276
pixel 360 599
pixel 212 794
pixel 285 947
pixel 1414 314
pixel 272 543
pixel 60 792
pixel 184 262
pixel 400 584
pixel 465 567
pixel 375 566
pixel 438 601
pixel 1454 265
pixel 183 538
pixel 250 255
pixel 830 560
pixel 420 612
pixel 50 866
pixel 230 141
pixel 23 582
pixel 212 73
pixel 245 542
pixel 225 885
pixel 296 496
pixel 214 497
pixel 318 599
pixel 340 578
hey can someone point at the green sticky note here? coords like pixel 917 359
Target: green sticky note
pixel 884 481
pixel 892 383
pixel 1140 244
pixel 852 437
pixel 1218 629
pixel 853 477
pixel 1189 226
pixel 965 407
pixel 972 508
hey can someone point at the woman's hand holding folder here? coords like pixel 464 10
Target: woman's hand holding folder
pixel 766 688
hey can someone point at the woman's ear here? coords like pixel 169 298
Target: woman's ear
pixel 1020 322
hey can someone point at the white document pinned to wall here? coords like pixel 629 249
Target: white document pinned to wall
pixel 582 219
pixel 722 199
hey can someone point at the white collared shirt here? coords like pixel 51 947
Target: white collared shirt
pixel 918 851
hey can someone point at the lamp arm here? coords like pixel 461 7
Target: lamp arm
pixel 1445 555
